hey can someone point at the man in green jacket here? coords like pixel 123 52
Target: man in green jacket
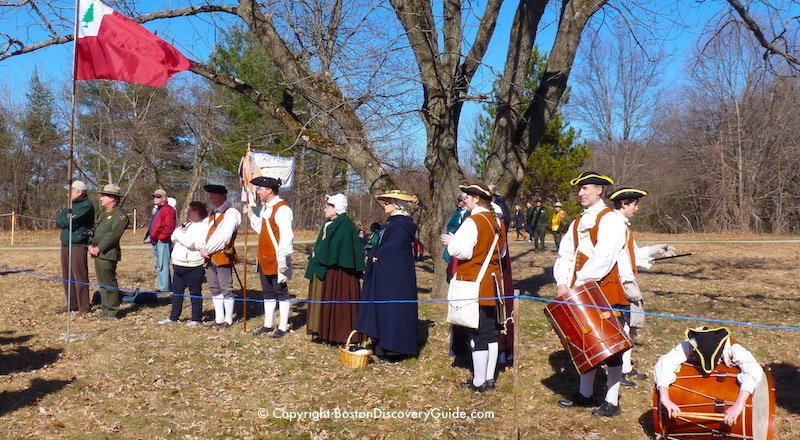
pixel 104 247
pixel 77 291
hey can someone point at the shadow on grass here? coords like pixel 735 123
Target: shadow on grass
pixel 563 381
pixel 646 422
pixel 25 359
pixel 13 339
pixel 13 400
pixel 787 386
pixel 534 284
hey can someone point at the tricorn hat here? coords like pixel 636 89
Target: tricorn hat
pixel 216 189
pixel 478 190
pixel 708 344
pixel 111 190
pixel 627 194
pixel 267 182
pixel 591 178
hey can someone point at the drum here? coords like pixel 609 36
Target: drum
pixel 704 398
pixel 590 334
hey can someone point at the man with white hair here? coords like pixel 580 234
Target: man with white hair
pixel 77 233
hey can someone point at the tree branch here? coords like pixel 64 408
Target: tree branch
pixel 181 12
pixel 759 34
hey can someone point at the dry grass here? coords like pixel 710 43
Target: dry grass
pixel 134 379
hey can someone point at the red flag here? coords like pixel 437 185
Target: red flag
pixel 112 46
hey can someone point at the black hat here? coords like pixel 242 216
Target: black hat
pixel 477 190
pixel 216 189
pixel 627 194
pixel 708 344
pixel 267 182
pixel 591 178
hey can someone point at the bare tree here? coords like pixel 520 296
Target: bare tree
pixel 446 66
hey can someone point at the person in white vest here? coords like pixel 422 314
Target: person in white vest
pixel 273 223
pixel 220 253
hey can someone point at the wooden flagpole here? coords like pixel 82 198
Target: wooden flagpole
pixel 246 219
pixel 515 314
pixel 70 287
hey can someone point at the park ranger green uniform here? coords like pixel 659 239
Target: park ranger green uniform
pixel 108 230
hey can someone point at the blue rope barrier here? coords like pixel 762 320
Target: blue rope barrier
pixel 402 301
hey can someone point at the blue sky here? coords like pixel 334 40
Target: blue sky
pixel 195 37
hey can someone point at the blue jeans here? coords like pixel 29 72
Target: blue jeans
pixel 161 252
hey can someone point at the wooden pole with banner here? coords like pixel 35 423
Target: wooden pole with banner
pixel 246 220
pixel 515 314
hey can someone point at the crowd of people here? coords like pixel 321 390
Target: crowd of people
pixel 367 282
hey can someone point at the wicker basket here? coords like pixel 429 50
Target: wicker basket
pixel 351 359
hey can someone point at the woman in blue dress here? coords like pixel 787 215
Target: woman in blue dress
pixel 390 275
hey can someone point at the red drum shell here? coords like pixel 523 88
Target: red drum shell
pixel 694 391
pixel 589 334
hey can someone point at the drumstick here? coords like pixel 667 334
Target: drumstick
pixel 673 256
pixel 716 417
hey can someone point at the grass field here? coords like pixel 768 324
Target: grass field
pixel 134 379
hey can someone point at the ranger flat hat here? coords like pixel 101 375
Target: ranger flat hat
pixel 267 182
pixel 216 189
pixel 397 195
pixel 591 178
pixel 478 190
pixel 627 194
pixel 159 193
pixel 708 343
pixel 111 190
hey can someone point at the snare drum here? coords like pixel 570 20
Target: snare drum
pixel 703 398
pixel 590 334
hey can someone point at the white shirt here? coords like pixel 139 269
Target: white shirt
pixel 283 218
pixel 641 256
pixel 225 229
pixel 734 355
pixel 602 257
pixel 187 244
pixel 466 237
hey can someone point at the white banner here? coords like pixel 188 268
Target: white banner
pixel 261 163
pixel 276 166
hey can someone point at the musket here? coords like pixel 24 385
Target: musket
pixel 673 256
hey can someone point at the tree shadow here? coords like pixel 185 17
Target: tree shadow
pixel 532 285
pixel 787 386
pixel 13 400
pixel 25 359
pixel 14 339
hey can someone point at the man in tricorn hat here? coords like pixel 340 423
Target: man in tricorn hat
pixel 589 251
pixel 220 253
pixel 105 249
pixel 626 204
pixel 273 224
pixel 705 348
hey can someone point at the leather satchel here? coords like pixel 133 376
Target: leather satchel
pixel 463 296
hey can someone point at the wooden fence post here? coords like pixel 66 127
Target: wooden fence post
pixel 134 221
pixel 13 225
